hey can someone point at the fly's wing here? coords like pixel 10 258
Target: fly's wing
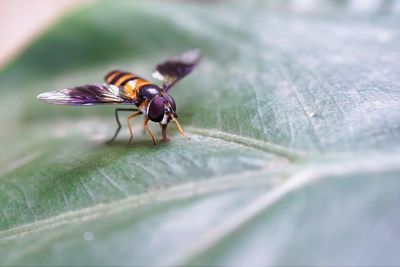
pixel 171 71
pixel 86 95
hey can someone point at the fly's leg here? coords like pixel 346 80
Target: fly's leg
pixel 165 138
pixel 129 125
pixel 181 131
pixel 118 122
pixel 146 120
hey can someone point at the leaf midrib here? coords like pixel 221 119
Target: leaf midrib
pixel 269 147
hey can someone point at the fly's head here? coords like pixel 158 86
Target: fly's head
pixel 162 109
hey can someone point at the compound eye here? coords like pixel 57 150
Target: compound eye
pixel 155 111
pixel 171 101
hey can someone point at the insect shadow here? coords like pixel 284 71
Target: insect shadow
pixel 123 143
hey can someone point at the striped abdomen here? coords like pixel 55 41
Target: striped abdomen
pixel 120 78
pixel 132 85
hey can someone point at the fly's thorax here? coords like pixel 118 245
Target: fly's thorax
pixel 160 108
pixel 148 92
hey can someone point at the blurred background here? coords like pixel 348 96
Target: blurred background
pixel 21 21
pixel 36 16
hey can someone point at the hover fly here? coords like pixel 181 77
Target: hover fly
pixel 122 87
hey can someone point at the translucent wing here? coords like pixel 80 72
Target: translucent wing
pixel 176 68
pixel 90 94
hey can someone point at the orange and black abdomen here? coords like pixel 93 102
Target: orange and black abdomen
pixel 134 87
pixel 120 78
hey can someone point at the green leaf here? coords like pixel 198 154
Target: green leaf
pixel 294 159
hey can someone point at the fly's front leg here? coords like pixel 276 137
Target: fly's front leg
pixel 118 122
pixel 165 138
pixel 146 120
pixel 129 125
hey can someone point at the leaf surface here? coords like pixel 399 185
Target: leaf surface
pixel 294 159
